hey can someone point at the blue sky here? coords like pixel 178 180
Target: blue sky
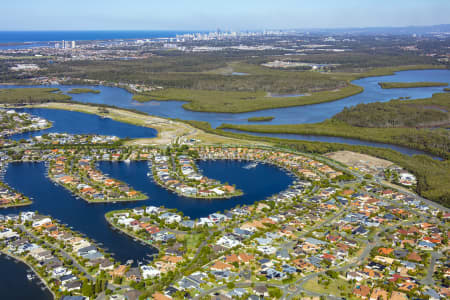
pixel 211 14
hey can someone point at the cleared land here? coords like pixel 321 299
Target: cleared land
pixel 359 160
pixel 402 85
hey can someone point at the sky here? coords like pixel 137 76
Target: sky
pixel 211 14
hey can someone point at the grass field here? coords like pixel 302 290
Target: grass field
pixel 401 85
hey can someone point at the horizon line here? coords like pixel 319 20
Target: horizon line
pixel 190 30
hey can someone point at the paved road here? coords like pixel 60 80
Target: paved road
pixel 428 280
pixel 63 253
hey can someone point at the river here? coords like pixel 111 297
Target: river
pixel 54 200
pixel 290 115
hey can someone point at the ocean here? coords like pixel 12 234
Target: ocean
pixel 49 36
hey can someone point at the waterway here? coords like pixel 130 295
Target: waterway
pixel 333 139
pixel 14 284
pixel 290 115
pixel 80 123
pixel 54 200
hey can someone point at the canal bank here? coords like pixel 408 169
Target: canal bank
pixel 15 284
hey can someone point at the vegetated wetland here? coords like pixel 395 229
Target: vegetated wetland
pixel 303 114
pixel 289 115
pixel 432 174
pixel 83 91
pixel 260 119
pixel 402 85
pixel 398 122
pixel 31 95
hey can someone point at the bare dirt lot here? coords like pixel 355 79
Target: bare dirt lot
pixel 362 162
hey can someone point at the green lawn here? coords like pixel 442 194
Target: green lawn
pixel 335 287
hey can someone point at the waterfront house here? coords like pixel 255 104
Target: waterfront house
pixel 149 272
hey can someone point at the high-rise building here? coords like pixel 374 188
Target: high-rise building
pixel 73 44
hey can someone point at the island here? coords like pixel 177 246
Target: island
pixel 402 85
pixel 260 119
pixel 83 91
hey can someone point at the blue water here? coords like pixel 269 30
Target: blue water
pixel 80 123
pixel 290 115
pixel 54 200
pixel 14 284
pixel 48 36
pixel 332 139
pixel 249 181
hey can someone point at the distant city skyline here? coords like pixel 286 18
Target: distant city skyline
pixel 227 15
